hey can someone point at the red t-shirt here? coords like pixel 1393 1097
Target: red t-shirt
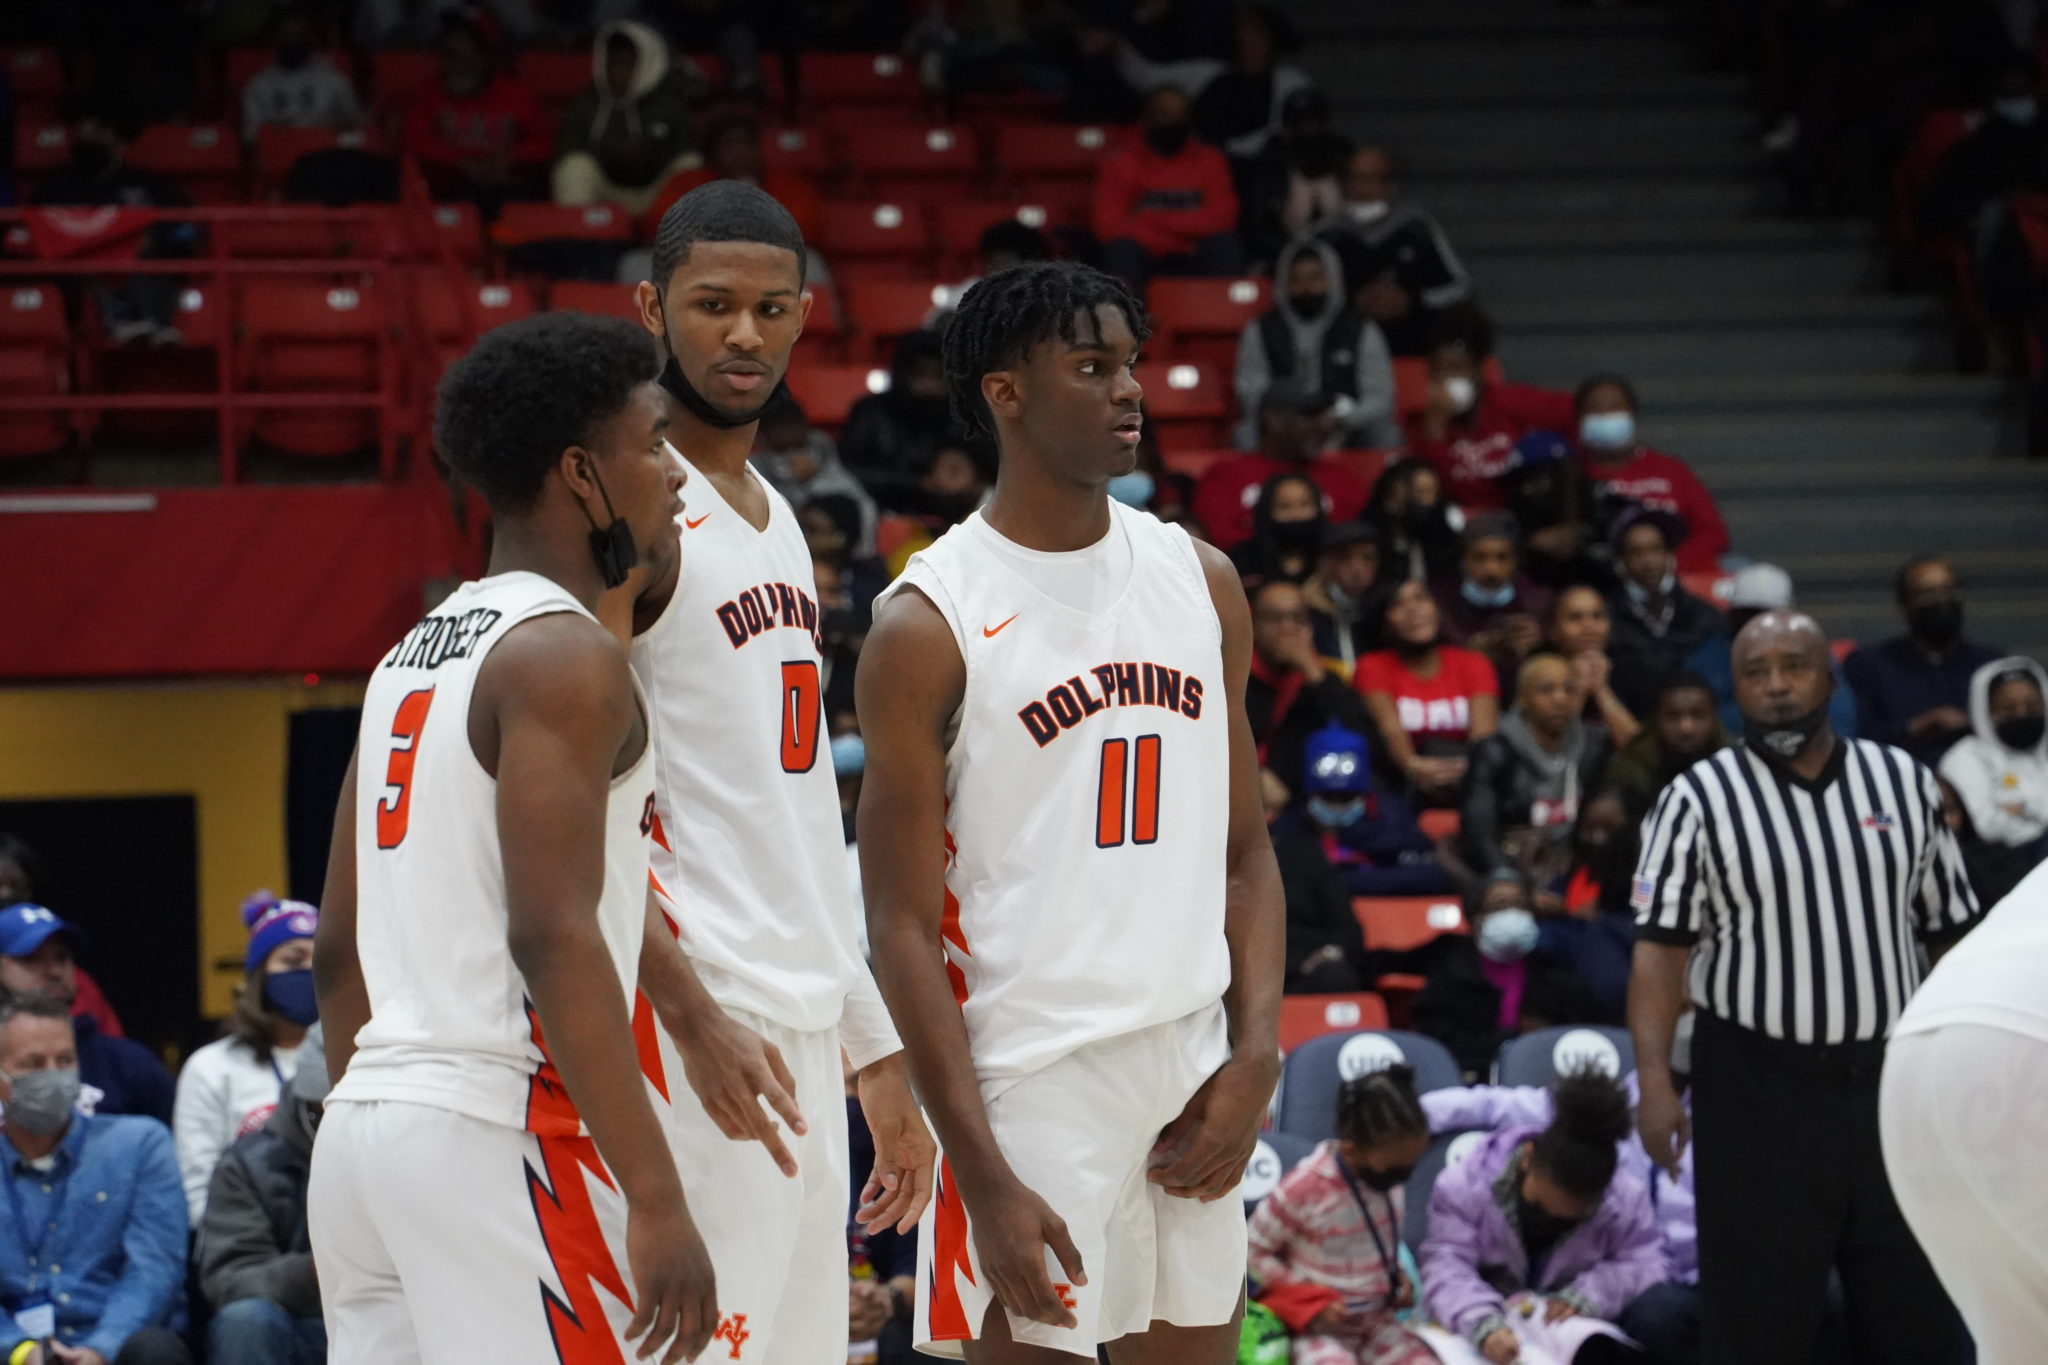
pixel 1668 484
pixel 1475 452
pixel 1229 489
pixel 1430 708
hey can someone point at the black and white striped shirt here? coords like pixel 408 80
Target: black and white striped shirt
pixel 1804 899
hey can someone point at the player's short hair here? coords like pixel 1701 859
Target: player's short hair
pixel 723 211
pixel 1009 312
pixel 529 390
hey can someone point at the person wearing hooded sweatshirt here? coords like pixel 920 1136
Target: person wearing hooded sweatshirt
pixel 2000 774
pixel 1312 337
pixel 1371 837
pixel 254 1261
pixel 1528 779
pixel 891 436
pixel 1287 531
pixel 631 130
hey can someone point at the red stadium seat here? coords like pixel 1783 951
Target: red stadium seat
pixel 1841 649
pixel 34 339
pixel 962 221
pixel 1187 405
pixel 41 147
pixel 204 158
pixel 278 148
pixel 798 149
pixel 556 76
pixel 885 309
pixel 1368 465
pixel 397 74
pixel 523 224
pixel 302 336
pixel 1709 586
pixel 1411 382
pixel 1202 319
pixel 861 78
pixel 885 155
pixel 1195 463
pixel 1401 922
pixel 606 300
pixel 455 226
pixel 191 368
pixel 1040 151
pixel 880 234
pixel 452 314
pixel 828 393
pixel 1440 824
pixel 1303 1017
pixel 35 74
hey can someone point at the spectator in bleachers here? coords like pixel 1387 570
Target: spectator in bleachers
pixel 1166 205
pixel 1399 269
pixel 847 585
pixel 228 1087
pixel 1325 947
pixel 1546 490
pixel 1291 693
pixel 1537 1240
pixel 1578 627
pixel 1584 918
pixel 631 130
pixel 891 436
pixel 1912 690
pixel 1370 836
pixel 1326 1242
pixel 1287 531
pixel 803 463
pixel 36 961
pixel 254 1261
pixel 732 151
pixel 1468 427
pixel 1683 729
pixel 1528 779
pixel 302 89
pixel 102 1283
pixel 1311 338
pixel 2000 775
pixel 1237 103
pixel 1430 702
pixel 1297 180
pixel 476 129
pixel 1753 590
pixel 1624 470
pixel 19 869
pixel 1490 606
pixel 1347 563
pixel 1293 422
pixel 1657 623
pixel 1417 537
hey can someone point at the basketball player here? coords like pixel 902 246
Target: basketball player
pixel 1053 695
pixel 485 903
pixel 750 851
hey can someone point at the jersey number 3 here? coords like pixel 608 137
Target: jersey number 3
pixel 394 812
pixel 802 710
pixel 1142 786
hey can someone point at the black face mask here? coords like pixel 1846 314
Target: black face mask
pixel 1418 516
pixel 613 545
pixel 1294 535
pixel 1308 305
pixel 1167 139
pixel 1383 1180
pixel 1937 623
pixel 684 392
pixel 1784 740
pixel 2021 732
pixel 1538 1223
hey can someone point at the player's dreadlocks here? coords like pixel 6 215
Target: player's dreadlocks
pixel 1380 1105
pixel 1011 311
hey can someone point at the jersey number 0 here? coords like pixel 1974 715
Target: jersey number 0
pixel 802 710
pixel 1118 778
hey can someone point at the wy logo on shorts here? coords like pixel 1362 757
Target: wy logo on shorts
pixel 732 1329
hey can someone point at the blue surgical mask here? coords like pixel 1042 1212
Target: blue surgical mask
pixel 1336 814
pixel 1487 597
pixel 290 995
pixel 1134 489
pixel 1608 430
pixel 849 755
pixel 2020 109
pixel 1507 935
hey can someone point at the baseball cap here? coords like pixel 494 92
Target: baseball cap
pixel 25 926
pixel 1760 587
pixel 1336 760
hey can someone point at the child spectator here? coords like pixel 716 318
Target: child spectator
pixel 1294 425
pixel 1624 470
pixel 1430 701
pixel 631 130
pixel 1682 730
pixel 1167 206
pixel 2000 774
pixel 1371 837
pixel 1287 531
pixel 1312 337
pixel 229 1087
pixel 1468 427
pixel 1399 269
pixel 1594 935
pixel 1325 1244
pixel 302 89
pixel 1578 627
pixel 476 130
pixel 1657 623
pixel 1536 1240
pixel 1490 607
pixel 1291 692
pixel 1347 564
pixel 1528 779
pixel 803 463
pixel 1417 539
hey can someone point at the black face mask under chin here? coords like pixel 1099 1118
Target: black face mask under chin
pixel 1784 740
pixel 700 407
pixel 613 545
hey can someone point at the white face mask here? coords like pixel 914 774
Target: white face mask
pixel 1462 392
pixel 1369 212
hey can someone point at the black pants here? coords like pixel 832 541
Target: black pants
pixel 1791 1181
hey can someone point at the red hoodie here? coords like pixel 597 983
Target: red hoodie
pixel 1668 484
pixel 1165 204
pixel 1480 446
pixel 445 130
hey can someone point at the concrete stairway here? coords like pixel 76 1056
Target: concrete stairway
pixel 1611 200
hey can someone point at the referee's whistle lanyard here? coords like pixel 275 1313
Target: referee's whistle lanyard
pixel 32 1236
pixel 1392 1263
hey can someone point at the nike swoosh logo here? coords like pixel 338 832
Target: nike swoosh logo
pixel 990 632
pixel 693 525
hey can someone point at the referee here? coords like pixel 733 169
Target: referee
pixel 1783 885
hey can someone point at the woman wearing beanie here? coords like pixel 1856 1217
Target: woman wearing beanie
pixel 229 1087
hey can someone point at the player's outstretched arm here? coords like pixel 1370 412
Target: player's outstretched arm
pixel 555 702
pixel 910 683
pixel 1202 1154
pixel 337 970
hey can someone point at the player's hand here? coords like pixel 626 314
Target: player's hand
pixel 1662 1124
pixel 1557 1310
pixel 1011 1233
pixel 675 1291
pixel 732 1069
pixel 901 1184
pixel 1500 1347
pixel 1202 1153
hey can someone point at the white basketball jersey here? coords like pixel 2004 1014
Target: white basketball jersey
pixel 450 1021
pixel 1087 790
pixel 749 849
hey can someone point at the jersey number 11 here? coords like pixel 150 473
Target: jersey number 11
pixel 1142 786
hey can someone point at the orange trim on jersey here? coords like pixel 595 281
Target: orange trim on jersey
pixel 567 1218
pixel 950 930
pixel 947 1316
pixel 647 1042
pixel 660 835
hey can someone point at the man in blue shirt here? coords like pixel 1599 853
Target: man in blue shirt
pixel 36 951
pixel 1913 690
pixel 92 1241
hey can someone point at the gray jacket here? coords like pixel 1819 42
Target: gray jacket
pixel 252 1241
pixel 1366 414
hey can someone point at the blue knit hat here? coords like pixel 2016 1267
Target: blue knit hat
pixel 273 922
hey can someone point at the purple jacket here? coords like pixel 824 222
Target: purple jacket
pixel 1473 1257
